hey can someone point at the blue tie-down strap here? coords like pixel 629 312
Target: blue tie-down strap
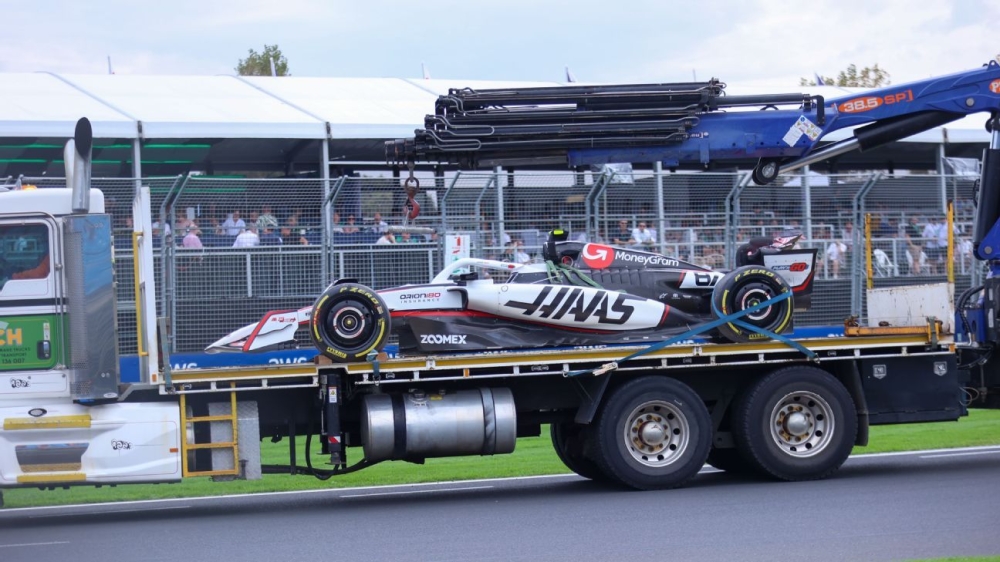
pixel 733 318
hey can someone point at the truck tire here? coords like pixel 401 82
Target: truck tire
pixel 570 442
pixel 745 287
pixel 348 322
pixel 796 423
pixel 652 433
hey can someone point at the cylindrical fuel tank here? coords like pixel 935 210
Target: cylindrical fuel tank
pixel 418 425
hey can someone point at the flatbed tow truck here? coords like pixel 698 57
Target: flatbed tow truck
pixel 641 416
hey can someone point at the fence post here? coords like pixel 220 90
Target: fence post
pixel 169 298
pixel 807 204
pixel 601 182
pixel 497 175
pixel 733 215
pixel 326 224
pixel 857 218
pixel 661 236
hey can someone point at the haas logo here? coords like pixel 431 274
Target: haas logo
pixel 598 256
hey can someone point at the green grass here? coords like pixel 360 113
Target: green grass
pixel 534 456
pixel 991 558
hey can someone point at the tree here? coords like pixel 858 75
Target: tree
pixel 868 77
pixel 259 64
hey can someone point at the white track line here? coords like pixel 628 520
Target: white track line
pixel 942 455
pixel 402 492
pixel 705 470
pixel 27 544
pixel 109 511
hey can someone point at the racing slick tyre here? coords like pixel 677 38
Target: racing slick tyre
pixel 652 433
pixel 745 287
pixel 348 322
pixel 570 442
pixel 796 423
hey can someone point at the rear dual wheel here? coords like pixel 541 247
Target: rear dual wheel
pixel 652 433
pixel 571 441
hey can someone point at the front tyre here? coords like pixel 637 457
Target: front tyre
pixel 348 322
pixel 797 423
pixel 653 433
pixel 746 287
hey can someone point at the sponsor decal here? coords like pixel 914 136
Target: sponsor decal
pixel 19 383
pixel 283 319
pixel 599 256
pixel 868 103
pixel 440 339
pixel 995 86
pixel 605 307
pixel 798 266
pixel 420 296
pixel 120 445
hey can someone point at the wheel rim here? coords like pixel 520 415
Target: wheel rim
pixel 802 424
pixel 656 433
pixel 751 296
pixel 348 324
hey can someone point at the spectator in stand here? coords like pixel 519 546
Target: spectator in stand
pixel 338 225
pixel 233 224
pixel 914 245
pixel 520 256
pixel 350 227
pixel 643 237
pixel 268 237
pixel 303 237
pixel 192 239
pixel 247 238
pixel 266 220
pixel 388 238
pixel 935 250
pixel 405 238
pixel 623 235
pixel 835 253
pixel 379 225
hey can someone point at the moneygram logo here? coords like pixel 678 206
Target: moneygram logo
pixel 598 256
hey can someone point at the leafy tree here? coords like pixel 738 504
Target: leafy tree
pixel 867 77
pixel 259 64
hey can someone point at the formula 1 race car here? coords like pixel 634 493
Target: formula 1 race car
pixel 581 294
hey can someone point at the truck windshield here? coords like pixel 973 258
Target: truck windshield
pixel 24 252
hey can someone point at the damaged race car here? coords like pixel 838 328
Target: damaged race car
pixel 580 294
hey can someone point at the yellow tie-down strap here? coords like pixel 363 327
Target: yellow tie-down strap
pixel 49 422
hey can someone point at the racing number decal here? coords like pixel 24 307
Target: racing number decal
pixel 576 304
pixel 705 279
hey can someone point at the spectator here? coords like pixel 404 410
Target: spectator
pixel 266 220
pixel 642 236
pixel 379 225
pixel 269 237
pixel 520 256
pixel 303 239
pixel 247 238
pixel 835 252
pixel 338 225
pixel 233 224
pixel 388 238
pixel 405 238
pixel 623 235
pixel 932 234
pixel 350 227
pixel 192 239
pixel 915 247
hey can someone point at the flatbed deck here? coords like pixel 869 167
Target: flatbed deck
pixel 547 362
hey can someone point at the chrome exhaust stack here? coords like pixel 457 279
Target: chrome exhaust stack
pixel 77 159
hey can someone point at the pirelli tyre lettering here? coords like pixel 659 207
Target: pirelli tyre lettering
pixel 348 322
pixel 746 287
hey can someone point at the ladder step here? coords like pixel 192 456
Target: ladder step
pixel 194 446
pixel 199 419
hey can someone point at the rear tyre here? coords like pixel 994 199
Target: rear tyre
pixel 797 423
pixel 348 322
pixel 570 442
pixel 653 433
pixel 744 288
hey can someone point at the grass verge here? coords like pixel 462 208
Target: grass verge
pixel 534 456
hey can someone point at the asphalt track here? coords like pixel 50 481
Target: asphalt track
pixel 883 507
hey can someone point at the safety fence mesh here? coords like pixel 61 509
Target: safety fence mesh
pixel 228 250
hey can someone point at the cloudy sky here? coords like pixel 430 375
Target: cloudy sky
pixel 751 42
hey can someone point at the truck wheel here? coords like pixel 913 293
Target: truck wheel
pixel 653 433
pixel 570 441
pixel 348 322
pixel 730 461
pixel 745 287
pixel 797 423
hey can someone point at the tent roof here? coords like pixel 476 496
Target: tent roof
pixel 45 105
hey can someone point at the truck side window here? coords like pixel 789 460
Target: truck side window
pixel 24 252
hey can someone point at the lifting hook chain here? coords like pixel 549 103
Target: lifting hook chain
pixel 411 185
